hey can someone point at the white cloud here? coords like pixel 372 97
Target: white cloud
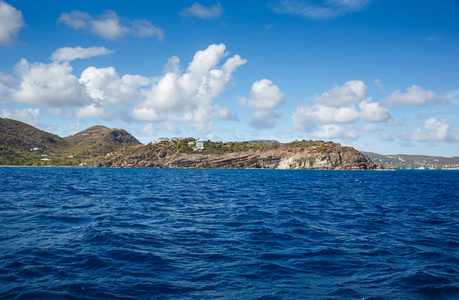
pixel 92 111
pixel 11 21
pixel 320 10
pixel 372 112
pixel 149 129
pixel 341 96
pixel 29 115
pixel 69 53
pixel 105 85
pixel 333 131
pixel 143 28
pixel 109 25
pixel 146 114
pixel 75 19
pixel 47 85
pixel 332 107
pixel 265 98
pixel 190 92
pixel 304 116
pixel 224 113
pixel 433 131
pixel 414 95
pixel 199 11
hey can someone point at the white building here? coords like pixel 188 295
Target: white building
pixel 200 144
pixel 162 140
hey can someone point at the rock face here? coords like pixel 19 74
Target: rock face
pixel 324 156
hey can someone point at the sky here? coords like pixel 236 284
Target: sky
pixel 378 75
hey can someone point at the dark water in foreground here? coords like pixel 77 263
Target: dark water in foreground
pixel 233 234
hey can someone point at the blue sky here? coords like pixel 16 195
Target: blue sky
pixel 378 75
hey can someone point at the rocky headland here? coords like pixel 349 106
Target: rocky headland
pixel 314 155
pixel 99 146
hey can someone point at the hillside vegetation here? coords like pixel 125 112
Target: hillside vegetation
pixel 22 144
pixel 404 161
pixel 317 155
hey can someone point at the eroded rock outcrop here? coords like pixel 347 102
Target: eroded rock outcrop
pixel 300 155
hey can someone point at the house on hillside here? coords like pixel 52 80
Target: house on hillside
pixel 200 144
pixel 162 140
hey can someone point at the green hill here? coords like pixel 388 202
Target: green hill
pixel 97 141
pixel 404 161
pixel 22 144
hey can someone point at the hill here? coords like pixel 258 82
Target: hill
pixel 317 155
pixel 97 141
pixel 22 144
pixel 404 161
pixel 17 139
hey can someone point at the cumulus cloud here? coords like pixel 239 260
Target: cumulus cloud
pixel 224 113
pixel 199 11
pixel 92 111
pixel 265 98
pixel 47 84
pixel 11 21
pixel 29 115
pixel 372 112
pixel 333 131
pixel 341 96
pixel 414 95
pixel 109 25
pixel 105 85
pixel 326 115
pixel 189 95
pixel 320 9
pixel 433 131
pixel 69 53
pixel 332 107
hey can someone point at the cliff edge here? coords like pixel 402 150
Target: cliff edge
pixel 313 155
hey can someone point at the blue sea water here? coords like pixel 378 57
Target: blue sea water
pixel 84 233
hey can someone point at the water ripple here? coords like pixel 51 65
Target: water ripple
pixel 76 233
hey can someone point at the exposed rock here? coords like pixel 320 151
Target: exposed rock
pixel 318 156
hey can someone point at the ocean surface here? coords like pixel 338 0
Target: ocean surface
pixel 84 233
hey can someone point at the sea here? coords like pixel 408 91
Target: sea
pixel 95 233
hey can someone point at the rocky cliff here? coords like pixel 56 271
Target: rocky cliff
pixel 296 155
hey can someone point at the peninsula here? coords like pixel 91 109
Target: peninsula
pixel 99 146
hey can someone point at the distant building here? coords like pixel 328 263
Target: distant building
pixel 162 140
pixel 176 139
pixel 191 144
pixel 34 149
pixel 200 144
